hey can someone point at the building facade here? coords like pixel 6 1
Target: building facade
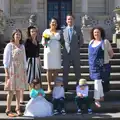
pixel 17 12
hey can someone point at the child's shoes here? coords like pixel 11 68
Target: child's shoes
pixel 89 111
pixel 79 112
pixel 63 112
pixel 56 112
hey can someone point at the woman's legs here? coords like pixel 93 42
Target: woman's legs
pixel 49 79
pixel 9 100
pixel 21 96
pixel 18 99
pixel 55 74
pixel 18 103
pixel 98 92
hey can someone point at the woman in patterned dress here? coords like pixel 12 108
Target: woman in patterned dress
pixel 14 60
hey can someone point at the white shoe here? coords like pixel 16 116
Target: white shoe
pixel 97 103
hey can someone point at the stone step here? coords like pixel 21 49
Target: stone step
pixel 85 45
pixel 82 56
pixel 85 56
pixel 84 50
pixel 106 107
pixel 73 116
pixel 83 69
pixel 113 95
pixel 114 85
pixel 84 62
pixel 71 76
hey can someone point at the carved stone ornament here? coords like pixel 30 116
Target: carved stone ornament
pixel 85 21
pixel 116 20
pixel 2 22
pixel 33 20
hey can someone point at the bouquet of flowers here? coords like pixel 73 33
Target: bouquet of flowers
pixel 47 38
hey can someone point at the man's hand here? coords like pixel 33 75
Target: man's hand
pixel 80 95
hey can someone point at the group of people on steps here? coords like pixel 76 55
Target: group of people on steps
pixel 22 66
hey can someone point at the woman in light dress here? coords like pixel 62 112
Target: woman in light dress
pixel 14 60
pixel 100 52
pixel 52 52
pixel 37 106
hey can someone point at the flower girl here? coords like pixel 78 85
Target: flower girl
pixel 37 106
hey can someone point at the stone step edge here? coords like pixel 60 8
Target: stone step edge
pixel 74 82
pixel 101 116
pixel 72 74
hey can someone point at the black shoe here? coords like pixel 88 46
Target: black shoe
pixel 56 112
pixel 79 112
pixel 63 112
pixel 22 103
pixel 66 90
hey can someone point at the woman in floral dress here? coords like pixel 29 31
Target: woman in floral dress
pixel 14 60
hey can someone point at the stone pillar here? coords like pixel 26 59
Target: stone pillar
pixel 85 6
pixel 5 6
pixel 109 6
pixel 34 6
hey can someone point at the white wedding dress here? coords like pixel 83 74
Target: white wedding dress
pixel 38 107
pixel 52 53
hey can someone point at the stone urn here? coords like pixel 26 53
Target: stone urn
pixel 116 20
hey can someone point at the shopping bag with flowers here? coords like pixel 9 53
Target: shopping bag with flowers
pixel 47 38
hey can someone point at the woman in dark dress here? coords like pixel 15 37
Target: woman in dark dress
pixel 32 54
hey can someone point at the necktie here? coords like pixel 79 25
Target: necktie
pixel 70 33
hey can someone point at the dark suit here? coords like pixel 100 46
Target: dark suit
pixel 72 55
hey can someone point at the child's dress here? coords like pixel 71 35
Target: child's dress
pixel 38 106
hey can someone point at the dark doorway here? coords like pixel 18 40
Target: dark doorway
pixel 58 9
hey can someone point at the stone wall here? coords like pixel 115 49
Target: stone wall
pixel 20 7
pixel 20 11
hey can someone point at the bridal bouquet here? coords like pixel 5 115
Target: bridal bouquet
pixel 47 38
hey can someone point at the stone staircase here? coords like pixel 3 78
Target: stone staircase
pixel 110 109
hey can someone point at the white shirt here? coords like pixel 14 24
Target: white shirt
pixel 83 92
pixel 7 56
pixel 58 92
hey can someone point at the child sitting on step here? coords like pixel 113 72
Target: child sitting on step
pixel 82 96
pixel 58 97
pixel 37 106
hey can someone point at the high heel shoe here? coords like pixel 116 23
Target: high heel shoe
pixel 18 112
pixel 10 114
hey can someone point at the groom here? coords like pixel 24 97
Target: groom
pixel 71 50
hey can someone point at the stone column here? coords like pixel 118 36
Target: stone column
pixel 109 6
pixel 34 6
pixel 5 6
pixel 85 6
